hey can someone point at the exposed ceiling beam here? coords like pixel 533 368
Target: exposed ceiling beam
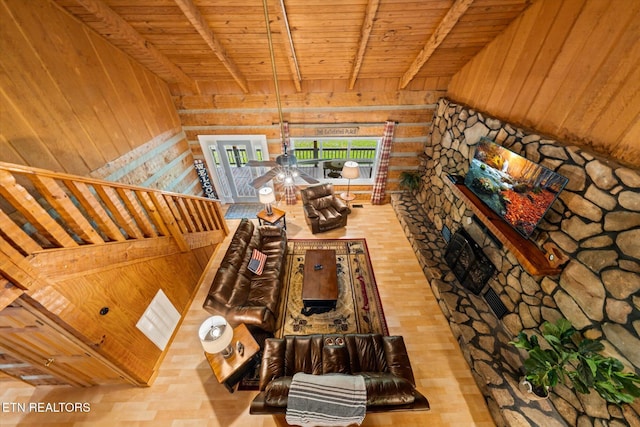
pixel 134 44
pixel 283 22
pixel 196 19
pixel 365 32
pixel 446 25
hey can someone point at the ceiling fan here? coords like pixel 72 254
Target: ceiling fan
pixel 285 167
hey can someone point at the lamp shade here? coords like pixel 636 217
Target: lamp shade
pixel 350 170
pixel 266 195
pixel 215 334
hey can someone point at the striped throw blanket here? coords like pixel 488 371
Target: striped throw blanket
pixel 326 400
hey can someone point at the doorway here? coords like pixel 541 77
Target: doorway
pixel 226 157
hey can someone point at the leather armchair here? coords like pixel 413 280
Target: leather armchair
pixel 323 210
pixel 381 360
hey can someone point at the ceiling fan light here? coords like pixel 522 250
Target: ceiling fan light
pixel 288 180
pixel 295 174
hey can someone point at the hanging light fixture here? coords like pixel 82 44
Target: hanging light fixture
pixel 275 76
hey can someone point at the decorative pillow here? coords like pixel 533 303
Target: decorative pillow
pixel 257 261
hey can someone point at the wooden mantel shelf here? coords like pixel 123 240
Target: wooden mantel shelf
pixel 534 260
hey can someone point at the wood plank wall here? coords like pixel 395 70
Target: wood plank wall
pixel 320 102
pixel 71 102
pixel 570 69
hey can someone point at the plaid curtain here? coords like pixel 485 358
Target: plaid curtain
pixel 289 190
pixel 377 196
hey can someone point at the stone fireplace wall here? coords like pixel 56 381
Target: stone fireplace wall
pixel 595 223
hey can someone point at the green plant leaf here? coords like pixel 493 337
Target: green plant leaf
pixel 572 357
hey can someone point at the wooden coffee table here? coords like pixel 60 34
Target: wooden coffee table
pixel 320 281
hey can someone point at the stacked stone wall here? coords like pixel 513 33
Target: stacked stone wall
pixel 595 222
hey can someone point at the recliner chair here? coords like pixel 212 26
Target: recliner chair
pixel 323 210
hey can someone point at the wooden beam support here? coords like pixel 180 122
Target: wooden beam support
pixel 365 32
pixel 196 19
pixel 446 25
pixel 137 46
pixel 292 59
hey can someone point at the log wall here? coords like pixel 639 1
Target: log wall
pixel 321 103
pixel 71 102
pixel 570 69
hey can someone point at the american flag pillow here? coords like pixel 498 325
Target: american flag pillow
pixel 257 261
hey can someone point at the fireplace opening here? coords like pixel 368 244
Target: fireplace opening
pixel 468 262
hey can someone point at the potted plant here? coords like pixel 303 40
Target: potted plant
pixel 410 180
pixel 570 356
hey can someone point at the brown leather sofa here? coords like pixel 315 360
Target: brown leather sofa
pixel 381 360
pixel 240 295
pixel 323 210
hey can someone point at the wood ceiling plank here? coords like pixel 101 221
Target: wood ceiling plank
pixel 200 24
pixel 365 33
pixel 445 26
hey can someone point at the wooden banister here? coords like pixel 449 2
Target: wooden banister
pixel 42 210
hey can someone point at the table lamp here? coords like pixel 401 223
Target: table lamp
pixel 216 336
pixel 267 197
pixel 350 170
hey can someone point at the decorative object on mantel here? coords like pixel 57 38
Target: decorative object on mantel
pixel 571 356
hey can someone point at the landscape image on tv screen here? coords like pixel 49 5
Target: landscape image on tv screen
pixel 517 189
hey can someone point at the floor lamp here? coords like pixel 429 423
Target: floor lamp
pixel 350 170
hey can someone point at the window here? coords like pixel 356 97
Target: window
pixel 323 158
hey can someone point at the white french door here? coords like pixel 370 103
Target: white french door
pixel 226 157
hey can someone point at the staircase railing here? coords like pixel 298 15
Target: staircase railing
pixel 42 210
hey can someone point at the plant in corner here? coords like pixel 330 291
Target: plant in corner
pixel 571 356
pixel 410 180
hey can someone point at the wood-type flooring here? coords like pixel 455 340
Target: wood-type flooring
pixel 186 393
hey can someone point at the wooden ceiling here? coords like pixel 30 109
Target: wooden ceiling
pixel 196 45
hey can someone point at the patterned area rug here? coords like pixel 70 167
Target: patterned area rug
pixel 243 210
pixel 358 309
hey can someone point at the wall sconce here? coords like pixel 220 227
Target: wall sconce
pixel 216 336
pixel 350 170
pixel 267 197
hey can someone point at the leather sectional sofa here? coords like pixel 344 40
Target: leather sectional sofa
pixel 381 360
pixel 240 295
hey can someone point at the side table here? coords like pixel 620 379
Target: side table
pixel 230 371
pixel 273 219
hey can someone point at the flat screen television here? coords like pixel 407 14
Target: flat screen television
pixel 518 190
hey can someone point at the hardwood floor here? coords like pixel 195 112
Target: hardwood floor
pixel 187 394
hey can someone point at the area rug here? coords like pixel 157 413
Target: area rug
pixel 243 210
pixel 358 310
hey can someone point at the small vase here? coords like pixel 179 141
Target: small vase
pixel 527 389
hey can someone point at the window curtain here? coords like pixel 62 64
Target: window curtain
pixel 289 190
pixel 377 196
